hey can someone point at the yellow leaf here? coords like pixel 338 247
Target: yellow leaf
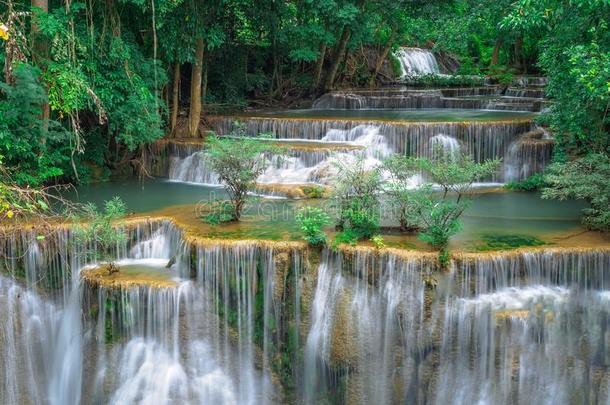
pixel 3 32
pixel 10 214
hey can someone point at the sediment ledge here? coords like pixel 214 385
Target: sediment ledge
pixel 126 277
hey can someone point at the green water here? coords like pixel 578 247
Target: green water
pixel 148 195
pixel 407 115
pixel 498 213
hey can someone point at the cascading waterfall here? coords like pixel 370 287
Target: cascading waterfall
pixel 302 164
pixel 483 140
pixel 417 61
pixel 527 155
pixel 345 140
pixel 496 329
pixel 248 322
pixel 527 328
pixel 448 146
pixel 138 343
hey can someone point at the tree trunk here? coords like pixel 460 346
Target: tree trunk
pixel 518 53
pixel 175 96
pixel 196 74
pixel 337 59
pixel 204 86
pixel 495 56
pixel 381 58
pixel 317 75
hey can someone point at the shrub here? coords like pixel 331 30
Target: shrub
pixel 439 213
pixel 238 161
pixel 378 241
pixel 356 198
pixel 220 211
pixel 311 221
pixel 587 179
pixel 532 183
pixel 100 232
pixel 313 191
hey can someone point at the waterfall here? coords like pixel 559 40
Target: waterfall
pixel 416 61
pixel 318 344
pixel 312 146
pixel 249 322
pixel 449 147
pixel 483 140
pixel 305 162
pixel 194 168
pixel 527 155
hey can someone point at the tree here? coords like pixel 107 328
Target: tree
pixel 238 161
pixel 34 148
pixel 102 233
pixel 356 199
pixel 455 174
pixel 402 188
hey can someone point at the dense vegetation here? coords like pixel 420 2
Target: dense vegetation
pixel 88 85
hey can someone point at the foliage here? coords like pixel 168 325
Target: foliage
pixel 33 147
pixel 575 55
pixel 313 191
pixel 311 221
pixel 401 189
pixel 102 232
pixel 438 212
pixel 378 242
pixel 221 211
pixel 532 183
pixel 444 258
pixel 44 203
pixel 445 81
pixel 238 161
pixel 347 237
pixel 585 178
pixel 356 198
pixel 507 242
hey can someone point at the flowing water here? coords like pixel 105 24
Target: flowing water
pixel 136 344
pixel 343 140
pixel 416 61
pixel 245 322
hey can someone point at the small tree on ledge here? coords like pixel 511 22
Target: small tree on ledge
pixel 239 161
pixel 101 233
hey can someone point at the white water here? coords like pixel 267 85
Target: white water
pixel 449 147
pixel 416 61
pixel 299 166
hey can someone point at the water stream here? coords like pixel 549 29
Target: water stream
pixel 253 323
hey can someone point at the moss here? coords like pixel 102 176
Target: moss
pixel 395 64
pixel 533 183
pixel 507 242
pixel 314 191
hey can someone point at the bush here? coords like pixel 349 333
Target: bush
pixel 587 179
pixel 356 198
pixel 378 242
pixel 311 221
pixel 313 191
pixel 439 212
pixel 220 211
pixel 100 232
pixel 238 161
pixel 532 183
